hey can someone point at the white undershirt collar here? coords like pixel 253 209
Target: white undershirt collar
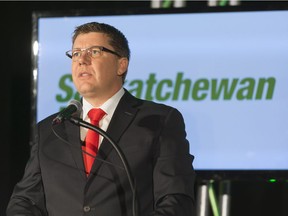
pixel 108 107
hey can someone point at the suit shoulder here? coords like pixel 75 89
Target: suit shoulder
pixel 155 107
pixel 47 121
pixel 142 103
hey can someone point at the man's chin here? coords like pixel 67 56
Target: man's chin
pixel 87 92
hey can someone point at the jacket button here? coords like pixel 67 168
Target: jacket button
pixel 86 208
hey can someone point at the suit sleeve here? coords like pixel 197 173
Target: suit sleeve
pixel 28 196
pixel 174 176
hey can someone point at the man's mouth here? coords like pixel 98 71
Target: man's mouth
pixel 84 74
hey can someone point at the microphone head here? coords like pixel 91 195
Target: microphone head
pixel 78 106
pixel 74 108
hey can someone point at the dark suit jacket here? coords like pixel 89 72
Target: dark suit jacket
pixel 151 136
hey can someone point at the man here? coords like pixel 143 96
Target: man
pixel 57 180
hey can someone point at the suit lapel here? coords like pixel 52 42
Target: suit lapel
pixel 71 134
pixel 76 146
pixel 122 117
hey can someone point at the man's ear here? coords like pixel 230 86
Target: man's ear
pixel 123 66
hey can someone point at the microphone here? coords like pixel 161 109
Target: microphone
pixel 79 122
pixel 74 107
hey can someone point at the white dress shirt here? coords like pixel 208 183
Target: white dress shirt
pixel 108 107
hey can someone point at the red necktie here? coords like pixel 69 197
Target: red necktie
pixel 92 139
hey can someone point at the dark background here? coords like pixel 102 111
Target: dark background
pixel 253 196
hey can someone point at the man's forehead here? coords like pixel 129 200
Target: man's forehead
pixel 91 39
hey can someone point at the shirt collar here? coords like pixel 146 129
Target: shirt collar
pixel 108 107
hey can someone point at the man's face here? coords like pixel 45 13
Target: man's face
pixel 97 78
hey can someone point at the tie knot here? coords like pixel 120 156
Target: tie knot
pixel 96 115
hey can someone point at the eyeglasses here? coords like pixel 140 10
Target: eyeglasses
pixel 93 52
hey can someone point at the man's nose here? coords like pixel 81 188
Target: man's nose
pixel 84 58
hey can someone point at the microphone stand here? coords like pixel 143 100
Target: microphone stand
pixel 80 122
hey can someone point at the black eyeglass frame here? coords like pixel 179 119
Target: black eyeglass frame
pixel 102 48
